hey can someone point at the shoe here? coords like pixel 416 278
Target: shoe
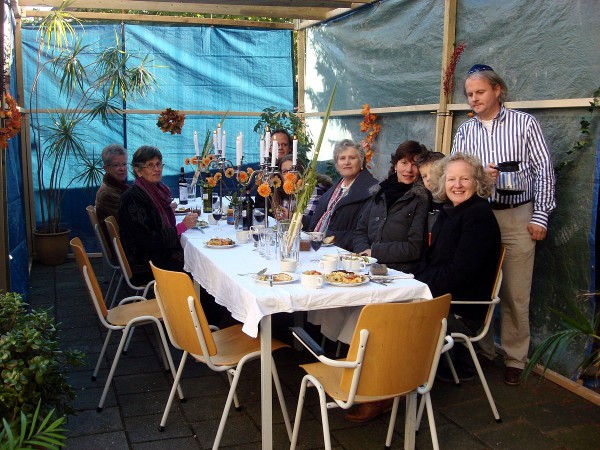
pixel 444 374
pixel 512 376
pixel 484 361
pixel 368 411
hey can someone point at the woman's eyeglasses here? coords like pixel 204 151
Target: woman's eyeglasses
pixel 158 166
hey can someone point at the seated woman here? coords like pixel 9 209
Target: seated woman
pixel 339 208
pixel 392 226
pixel 284 204
pixel 464 251
pixel 147 221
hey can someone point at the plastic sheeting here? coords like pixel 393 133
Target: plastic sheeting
pixel 197 68
pixel 389 55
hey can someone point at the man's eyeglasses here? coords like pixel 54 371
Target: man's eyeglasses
pixel 117 165
pixel 158 166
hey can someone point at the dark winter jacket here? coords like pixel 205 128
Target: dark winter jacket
pixel 396 234
pixel 463 255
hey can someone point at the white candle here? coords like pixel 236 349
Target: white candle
pixel 274 151
pixel 294 151
pixel 218 137
pixel 238 149
pixel 267 141
pixel 196 144
pixel 223 144
pixel 261 150
pixel 215 140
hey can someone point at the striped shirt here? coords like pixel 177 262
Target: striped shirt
pixel 515 136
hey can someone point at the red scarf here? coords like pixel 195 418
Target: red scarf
pixel 160 195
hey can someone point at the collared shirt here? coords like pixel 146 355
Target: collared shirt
pixel 515 136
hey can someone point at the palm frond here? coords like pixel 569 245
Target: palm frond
pixel 70 66
pixel 55 30
pixel 91 172
pixel 104 108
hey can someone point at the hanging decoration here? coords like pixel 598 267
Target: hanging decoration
pixel 171 121
pixel 11 120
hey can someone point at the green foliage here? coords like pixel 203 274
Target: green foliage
pixel 32 366
pixel 576 325
pixel 97 90
pixel 22 434
pixel 282 118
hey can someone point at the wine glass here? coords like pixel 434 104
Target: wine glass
pixel 316 240
pixel 259 215
pixel 217 214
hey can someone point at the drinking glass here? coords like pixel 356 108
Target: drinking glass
pixel 259 215
pixel 217 214
pixel 316 240
pixel 191 190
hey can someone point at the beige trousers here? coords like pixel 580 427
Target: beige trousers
pixel 515 292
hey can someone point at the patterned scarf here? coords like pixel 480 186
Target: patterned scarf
pixel 160 195
pixel 337 195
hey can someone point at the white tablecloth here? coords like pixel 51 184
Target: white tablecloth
pixel 248 301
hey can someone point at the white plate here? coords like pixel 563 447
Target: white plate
pixel 365 280
pixel 368 260
pixel 220 246
pixel 293 275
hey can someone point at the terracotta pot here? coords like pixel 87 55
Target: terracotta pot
pixel 51 248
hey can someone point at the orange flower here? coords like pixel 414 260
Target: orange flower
pixel 366 109
pixel 211 181
pixel 276 182
pixel 471 114
pixel 264 190
pixel 212 157
pixel 363 127
pixel 243 177
pixel 290 176
pixel 250 170
pixel 289 186
pixel 229 172
pixel 218 176
pixel 186 161
pixel 206 161
pixel 195 160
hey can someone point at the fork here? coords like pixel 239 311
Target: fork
pixel 259 273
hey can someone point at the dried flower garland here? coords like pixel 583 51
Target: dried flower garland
pixel 12 121
pixel 370 126
pixel 171 121
pixel 449 72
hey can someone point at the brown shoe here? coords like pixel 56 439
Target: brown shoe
pixel 368 411
pixel 512 376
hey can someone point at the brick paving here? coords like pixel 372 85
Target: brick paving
pixel 534 416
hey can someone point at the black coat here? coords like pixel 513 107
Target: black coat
pixel 347 211
pixel 396 236
pixel 145 238
pixel 463 255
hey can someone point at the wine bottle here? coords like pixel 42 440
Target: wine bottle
pixel 247 211
pixel 183 190
pixel 207 197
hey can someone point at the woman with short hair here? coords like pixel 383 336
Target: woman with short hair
pixel 147 221
pixel 340 207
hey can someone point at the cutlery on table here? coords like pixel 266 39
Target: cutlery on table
pixel 259 273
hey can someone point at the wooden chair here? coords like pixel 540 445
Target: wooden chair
pixel 394 351
pixel 107 255
pixel 130 312
pixel 113 231
pixel 225 350
pixel 468 340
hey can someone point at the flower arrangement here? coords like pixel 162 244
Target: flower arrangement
pixel 370 126
pixel 449 72
pixel 171 121
pixel 12 121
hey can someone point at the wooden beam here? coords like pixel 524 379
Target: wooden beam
pixel 119 17
pixel 301 49
pixel 291 12
pixel 569 385
pixel 149 112
pixel 443 123
pixel 534 104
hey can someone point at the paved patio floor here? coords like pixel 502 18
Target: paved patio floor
pixel 537 415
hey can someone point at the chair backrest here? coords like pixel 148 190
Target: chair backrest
pixel 401 348
pixel 498 279
pixel 113 231
pixel 105 248
pixel 83 262
pixel 172 290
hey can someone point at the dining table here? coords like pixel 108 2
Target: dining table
pixel 226 272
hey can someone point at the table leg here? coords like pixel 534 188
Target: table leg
pixel 266 384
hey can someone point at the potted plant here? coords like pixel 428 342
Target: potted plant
pixel 94 90
pixel 579 324
pixel 32 366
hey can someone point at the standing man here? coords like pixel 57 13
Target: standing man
pixel 284 142
pixel 496 135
